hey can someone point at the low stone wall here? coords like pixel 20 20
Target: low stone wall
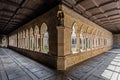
pixel 43 58
pixel 72 59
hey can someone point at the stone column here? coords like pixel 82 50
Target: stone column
pixel 41 42
pixel 35 42
pixel 28 44
pixel 82 42
pixel 95 42
pixel 85 42
pixel 91 42
pixel 37 37
pixel 78 42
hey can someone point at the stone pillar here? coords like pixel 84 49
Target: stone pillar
pixel 64 46
pixel 82 43
pixel 28 44
pixel 85 44
pixel 41 42
pixel 35 42
pixel 91 42
pixel 95 42
pixel 85 49
pixel 78 42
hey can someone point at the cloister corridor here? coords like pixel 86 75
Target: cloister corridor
pixel 14 66
pixel 59 39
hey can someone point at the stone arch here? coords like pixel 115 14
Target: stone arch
pixel 37 38
pixel 27 33
pixel 31 31
pixel 31 39
pixel 88 37
pixel 83 32
pixel 83 28
pixel 74 31
pixel 27 39
pixel 43 28
pixel 36 30
pixel 44 37
pixel 93 37
pixel 76 25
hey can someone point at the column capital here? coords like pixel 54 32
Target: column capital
pixel 60 27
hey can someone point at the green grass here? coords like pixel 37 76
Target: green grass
pixel 46 48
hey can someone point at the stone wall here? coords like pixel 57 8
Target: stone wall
pixel 116 40
pixel 43 58
pixel 3 41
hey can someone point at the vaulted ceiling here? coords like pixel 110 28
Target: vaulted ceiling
pixel 105 13
pixel 14 13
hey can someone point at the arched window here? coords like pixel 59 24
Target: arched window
pixel 37 37
pixel 73 38
pixel 31 39
pixel 44 38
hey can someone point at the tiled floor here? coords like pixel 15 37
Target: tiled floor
pixel 14 66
